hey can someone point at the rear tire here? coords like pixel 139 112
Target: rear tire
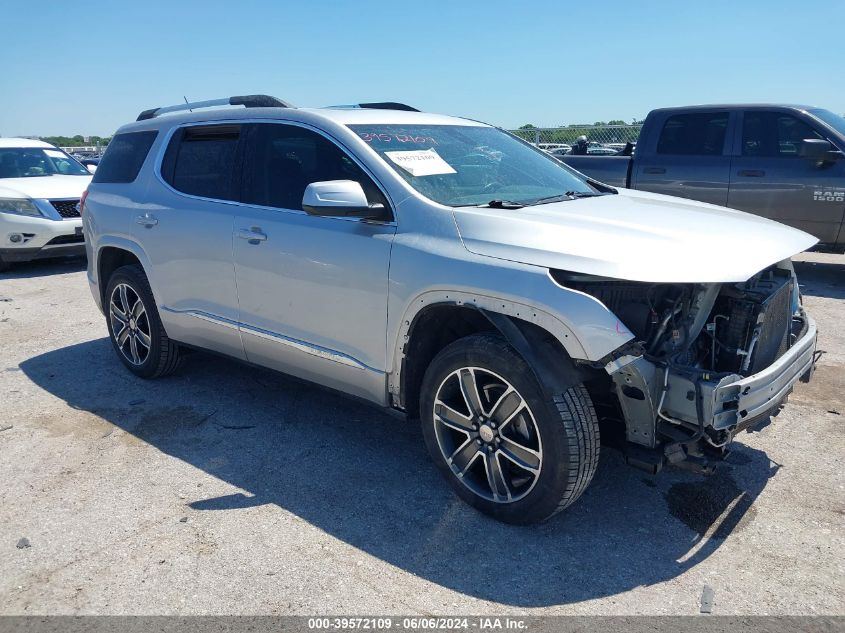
pixel 135 328
pixel 509 451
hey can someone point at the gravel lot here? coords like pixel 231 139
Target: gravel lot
pixel 230 489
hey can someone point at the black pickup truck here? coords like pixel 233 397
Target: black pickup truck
pixel 782 162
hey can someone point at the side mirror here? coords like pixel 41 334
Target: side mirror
pixel 340 198
pixel 818 149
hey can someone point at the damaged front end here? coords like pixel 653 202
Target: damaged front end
pixel 707 361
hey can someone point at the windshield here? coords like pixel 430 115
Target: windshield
pixel 833 120
pixel 27 162
pixel 471 165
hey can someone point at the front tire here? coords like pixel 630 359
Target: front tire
pixel 135 328
pixel 505 447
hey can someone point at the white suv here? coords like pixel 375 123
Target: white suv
pixel 40 189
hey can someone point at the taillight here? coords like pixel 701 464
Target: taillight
pixel 82 201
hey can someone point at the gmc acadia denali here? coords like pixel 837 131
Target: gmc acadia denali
pixel 446 269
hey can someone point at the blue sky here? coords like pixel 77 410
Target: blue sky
pixel 508 63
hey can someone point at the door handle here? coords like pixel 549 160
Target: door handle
pixel 654 170
pixel 146 220
pixel 751 173
pixel 253 235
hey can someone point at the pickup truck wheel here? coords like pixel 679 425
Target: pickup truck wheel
pixel 135 328
pixel 503 446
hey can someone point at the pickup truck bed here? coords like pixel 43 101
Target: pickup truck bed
pixel 611 170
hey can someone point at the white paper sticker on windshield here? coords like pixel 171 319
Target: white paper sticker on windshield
pixel 421 162
pixel 54 153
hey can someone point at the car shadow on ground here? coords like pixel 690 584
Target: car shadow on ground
pixel 363 476
pixel 821 279
pixel 44 268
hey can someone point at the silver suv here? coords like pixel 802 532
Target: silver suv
pixel 446 269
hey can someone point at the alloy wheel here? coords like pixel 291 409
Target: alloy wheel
pixel 129 324
pixel 487 434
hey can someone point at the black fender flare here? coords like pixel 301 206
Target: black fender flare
pixel 554 369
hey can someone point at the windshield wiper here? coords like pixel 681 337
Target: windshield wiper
pixel 584 194
pixel 502 204
pixel 569 195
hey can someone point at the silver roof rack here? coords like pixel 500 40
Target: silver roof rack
pixel 248 101
pixel 379 105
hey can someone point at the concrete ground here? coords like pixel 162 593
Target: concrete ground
pixel 230 489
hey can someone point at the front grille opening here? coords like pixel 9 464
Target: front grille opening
pixel 776 316
pixel 753 323
pixel 66 208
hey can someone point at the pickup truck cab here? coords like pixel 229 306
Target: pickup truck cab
pixel 781 162
pixel 444 269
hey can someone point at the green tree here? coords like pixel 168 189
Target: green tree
pixel 72 141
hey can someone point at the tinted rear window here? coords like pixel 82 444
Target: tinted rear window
pixel 699 134
pixel 200 161
pixel 124 157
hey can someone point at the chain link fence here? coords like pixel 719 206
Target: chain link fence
pixel 603 139
pixel 83 149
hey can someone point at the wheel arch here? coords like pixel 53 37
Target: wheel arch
pixel 114 254
pixel 447 316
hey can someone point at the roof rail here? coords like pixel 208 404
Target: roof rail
pixel 387 105
pixel 379 105
pixel 248 101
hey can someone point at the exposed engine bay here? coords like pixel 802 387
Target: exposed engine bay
pixel 707 360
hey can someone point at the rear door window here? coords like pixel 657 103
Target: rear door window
pixel 774 134
pixel 124 156
pixel 200 161
pixel 694 134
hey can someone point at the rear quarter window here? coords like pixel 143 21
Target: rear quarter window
pixel 124 157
